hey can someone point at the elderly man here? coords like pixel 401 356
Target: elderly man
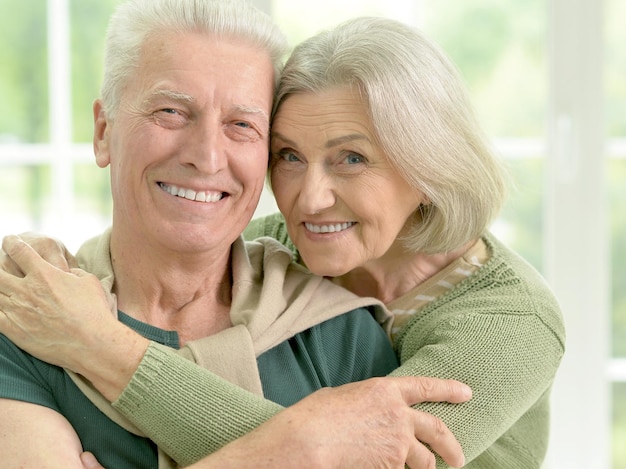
pixel 183 126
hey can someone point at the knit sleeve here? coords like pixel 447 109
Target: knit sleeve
pixel 273 226
pixel 509 361
pixel 192 420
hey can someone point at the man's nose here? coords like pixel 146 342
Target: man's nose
pixel 206 149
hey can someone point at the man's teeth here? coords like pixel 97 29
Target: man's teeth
pixel 191 194
pixel 328 228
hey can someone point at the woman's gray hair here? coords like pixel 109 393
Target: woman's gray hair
pixel 422 118
pixel 135 20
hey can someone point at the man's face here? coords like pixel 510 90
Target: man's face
pixel 188 147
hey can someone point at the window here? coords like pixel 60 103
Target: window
pixel 50 76
pixel 615 103
pixel 548 78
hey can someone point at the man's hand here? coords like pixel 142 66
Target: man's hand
pixel 50 249
pixel 368 424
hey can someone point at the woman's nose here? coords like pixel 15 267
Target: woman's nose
pixel 317 193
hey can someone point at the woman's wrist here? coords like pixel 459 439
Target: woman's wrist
pixel 112 359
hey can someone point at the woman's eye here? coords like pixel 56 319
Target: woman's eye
pixel 354 158
pixel 289 156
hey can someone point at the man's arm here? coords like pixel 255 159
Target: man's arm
pixel 36 436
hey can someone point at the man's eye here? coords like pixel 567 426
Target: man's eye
pixel 169 118
pixel 243 125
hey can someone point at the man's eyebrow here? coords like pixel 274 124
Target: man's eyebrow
pixel 251 110
pixel 254 111
pixel 176 95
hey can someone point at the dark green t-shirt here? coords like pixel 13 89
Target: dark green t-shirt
pixel 347 348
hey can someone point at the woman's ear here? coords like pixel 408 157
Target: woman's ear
pixel 100 135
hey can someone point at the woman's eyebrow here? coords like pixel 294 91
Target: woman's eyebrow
pixel 283 138
pixel 333 142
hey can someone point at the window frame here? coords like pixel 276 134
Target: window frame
pixel 581 397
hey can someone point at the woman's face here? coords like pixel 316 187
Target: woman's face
pixel 344 203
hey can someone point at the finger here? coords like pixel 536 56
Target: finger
pixel 7 265
pixel 9 283
pixel 432 431
pixel 23 255
pixel 70 259
pixel 50 249
pixel 420 457
pixel 80 272
pixel 418 389
pixel 89 461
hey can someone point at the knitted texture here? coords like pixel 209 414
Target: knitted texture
pixel 501 332
pixel 198 429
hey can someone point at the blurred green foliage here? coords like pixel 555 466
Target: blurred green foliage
pixel 23 71
pixel 499 46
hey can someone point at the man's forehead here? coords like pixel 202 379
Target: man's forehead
pixel 196 68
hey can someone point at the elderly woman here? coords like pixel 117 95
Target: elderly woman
pixel 386 184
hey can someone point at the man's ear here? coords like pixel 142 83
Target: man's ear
pixel 100 135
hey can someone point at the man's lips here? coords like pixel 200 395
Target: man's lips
pixel 190 194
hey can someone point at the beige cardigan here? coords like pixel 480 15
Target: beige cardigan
pixel 273 299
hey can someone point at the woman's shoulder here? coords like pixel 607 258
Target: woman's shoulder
pixel 272 226
pixel 506 288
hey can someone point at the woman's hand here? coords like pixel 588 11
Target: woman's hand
pixel 50 249
pixel 368 424
pixel 51 313
pixel 64 318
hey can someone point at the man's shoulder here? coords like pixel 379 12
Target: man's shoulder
pixel 24 377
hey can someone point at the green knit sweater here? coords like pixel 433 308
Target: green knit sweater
pixel 500 331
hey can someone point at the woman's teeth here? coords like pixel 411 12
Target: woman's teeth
pixel 334 228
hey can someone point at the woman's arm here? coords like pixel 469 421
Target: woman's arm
pixel 45 301
pixel 374 412
pixel 507 354
pixel 509 360
pixel 324 430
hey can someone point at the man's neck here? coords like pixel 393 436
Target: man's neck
pixel 190 294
